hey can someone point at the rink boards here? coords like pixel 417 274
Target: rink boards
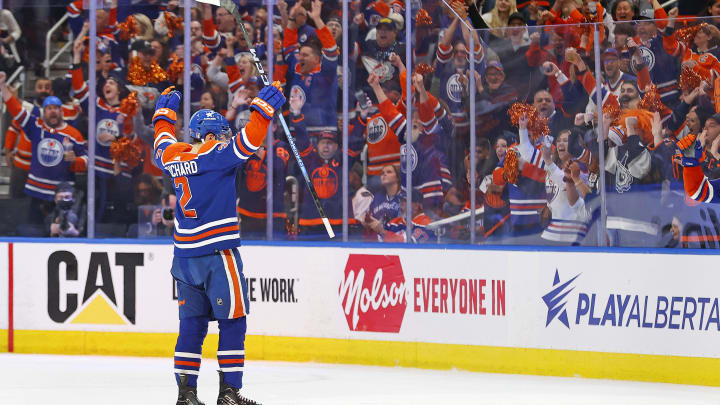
pixel 637 315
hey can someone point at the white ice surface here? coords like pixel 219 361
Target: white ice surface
pixel 78 380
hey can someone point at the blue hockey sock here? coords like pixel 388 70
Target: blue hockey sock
pixel 231 350
pixel 188 349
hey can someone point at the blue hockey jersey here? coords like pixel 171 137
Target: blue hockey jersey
pixel 204 182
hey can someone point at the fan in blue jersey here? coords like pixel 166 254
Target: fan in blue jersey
pixel 207 266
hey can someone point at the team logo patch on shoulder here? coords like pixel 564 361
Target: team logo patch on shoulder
pixel 376 130
pixel 50 152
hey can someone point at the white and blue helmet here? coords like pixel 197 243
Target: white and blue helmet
pixel 207 121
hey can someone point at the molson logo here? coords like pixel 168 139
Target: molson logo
pixel 372 293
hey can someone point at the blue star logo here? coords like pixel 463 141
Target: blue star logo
pixel 554 300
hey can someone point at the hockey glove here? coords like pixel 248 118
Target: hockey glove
pixel 167 105
pixel 695 160
pixel 268 100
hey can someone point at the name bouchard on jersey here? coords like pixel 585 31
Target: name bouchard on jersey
pixel 182 168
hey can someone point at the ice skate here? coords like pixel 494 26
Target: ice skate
pixel 230 395
pixel 187 395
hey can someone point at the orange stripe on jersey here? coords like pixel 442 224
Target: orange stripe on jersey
pixel 238 311
pixel 187 363
pixel 703 196
pixel 206 234
pixel 231 361
pixel 46 186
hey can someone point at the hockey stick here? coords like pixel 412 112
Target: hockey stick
pixel 230 6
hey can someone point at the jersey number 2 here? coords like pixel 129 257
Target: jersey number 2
pixel 182 183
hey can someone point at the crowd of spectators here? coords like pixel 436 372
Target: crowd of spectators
pixel 534 64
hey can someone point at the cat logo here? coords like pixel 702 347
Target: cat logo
pixel 325 181
pixel 376 130
pixel 99 304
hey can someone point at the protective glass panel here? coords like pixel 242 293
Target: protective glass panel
pixel 44 129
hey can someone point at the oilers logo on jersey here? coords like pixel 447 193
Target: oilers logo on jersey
pixel 325 180
pixel 296 92
pixel 107 131
pixel 454 88
pixel 376 130
pixel 648 57
pixel 50 152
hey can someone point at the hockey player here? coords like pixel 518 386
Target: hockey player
pixel 207 265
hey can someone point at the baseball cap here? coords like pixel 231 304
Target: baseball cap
pixel 611 52
pixel 328 135
pixel 142 46
pixel 386 23
pixel 52 100
pixel 646 12
pixel 495 64
pixel 516 16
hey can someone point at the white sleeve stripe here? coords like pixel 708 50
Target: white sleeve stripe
pixel 699 190
pixel 711 192
pixel 239 154
pixel 246 142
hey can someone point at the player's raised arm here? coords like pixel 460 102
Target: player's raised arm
pixel 164 122
pixel 268 101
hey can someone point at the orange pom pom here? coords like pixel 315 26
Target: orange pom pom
pixel 139 76
pixel 651 101
pixel 126 151
pixel 423 19
pixel 127 29
pixel 176 69
pixel 511 169
pixel 613 111
pixel 537 126
pixel 687 34
pixel 129 105
pixel 689 79
pixel 174 23
pixel 424 69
